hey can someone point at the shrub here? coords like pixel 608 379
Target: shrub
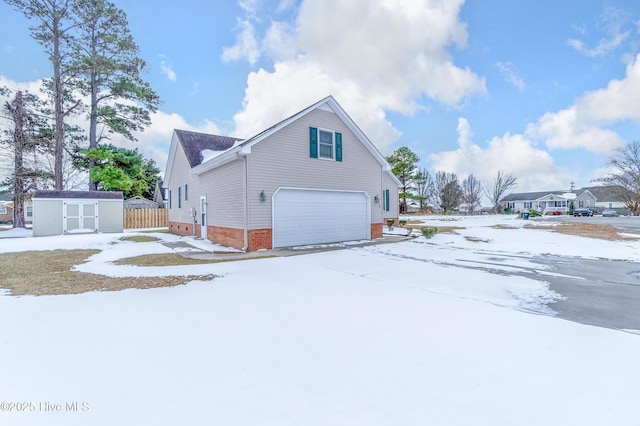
pixel 534 213
pixel 403 222
pixel 429 232
pixel 390 222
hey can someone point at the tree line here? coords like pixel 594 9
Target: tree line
pixel 444 191
pixel 96 74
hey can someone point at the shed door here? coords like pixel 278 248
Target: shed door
pixel 307 216
pixel 80 217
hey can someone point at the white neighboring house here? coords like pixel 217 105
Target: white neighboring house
pixel 313 178
pixel 549 202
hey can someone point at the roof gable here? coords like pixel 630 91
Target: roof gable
pixel 194 144
pixel 327 104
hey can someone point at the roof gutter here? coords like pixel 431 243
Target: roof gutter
pixel 229 156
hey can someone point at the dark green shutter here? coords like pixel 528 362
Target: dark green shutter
pixel 313 142
pixel 338 146
pixel 386 200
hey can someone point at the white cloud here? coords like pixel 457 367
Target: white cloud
pixel 154 142
pixel 618 101
pixel 534 168
pixel 246 46
pixel 583 124
pixel 612 22
pixel 507 69
pixel 396 54
pixel 167 69
pixel 566 129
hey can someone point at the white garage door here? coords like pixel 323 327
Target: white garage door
pixel 305 216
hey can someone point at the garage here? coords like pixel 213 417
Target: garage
pixel 316 216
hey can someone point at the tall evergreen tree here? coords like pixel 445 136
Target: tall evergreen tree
pixel 109 64
pixel 54 31
pixel 403 165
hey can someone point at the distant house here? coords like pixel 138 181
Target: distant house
pixel 159 195
pixel 139 203
pixel 6 209
pixel 313 178
pixel 607 198
pixel 548 202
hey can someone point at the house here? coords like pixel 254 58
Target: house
pixel 6 208
pixel 313 178
pixel 548 202
pixel 70 212
pixel 138 202
pixel 607 198
pixel 159 194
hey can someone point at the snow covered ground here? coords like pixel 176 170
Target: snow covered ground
pixel 393 334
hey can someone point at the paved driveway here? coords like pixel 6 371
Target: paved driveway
pixel 598 292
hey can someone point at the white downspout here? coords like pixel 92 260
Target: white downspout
pixel 246 204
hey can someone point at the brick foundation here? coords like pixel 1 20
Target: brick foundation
pixel 181 228
pixel 228 237
pixel 260 239
pixel 376 230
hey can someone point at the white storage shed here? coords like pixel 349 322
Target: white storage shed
pixel 72 212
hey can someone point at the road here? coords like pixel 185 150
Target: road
pixel 631 223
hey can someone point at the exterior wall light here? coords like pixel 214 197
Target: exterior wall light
pixel 376 199
pixel 263 197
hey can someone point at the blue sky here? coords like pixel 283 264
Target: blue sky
pixel 543 89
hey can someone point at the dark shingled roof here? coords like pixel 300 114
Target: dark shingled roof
pixel 102 195
pixel 194 143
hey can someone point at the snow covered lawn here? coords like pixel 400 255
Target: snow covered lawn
pixel 394 334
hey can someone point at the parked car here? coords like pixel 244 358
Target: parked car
pixel 582 212
pixel 609 213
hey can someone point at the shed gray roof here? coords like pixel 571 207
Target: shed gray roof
pixel 194 143
pixel 101 195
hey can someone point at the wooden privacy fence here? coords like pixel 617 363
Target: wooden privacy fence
pixel 146 218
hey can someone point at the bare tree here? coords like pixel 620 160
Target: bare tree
pixel 502 183
pixel 425 187
pixel 448 190
pixel 624 180
pixel 28 135
pixel 53 30
pixel 471 193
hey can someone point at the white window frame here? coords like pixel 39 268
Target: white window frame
pixel 3 210
pixel 29 211
pixel 333 145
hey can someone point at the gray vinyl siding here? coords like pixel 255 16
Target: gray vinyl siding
pixel 223 187
pixel 283 160
pixel 181 175
pixel 110 216
pixel 47 217
pixel 392 186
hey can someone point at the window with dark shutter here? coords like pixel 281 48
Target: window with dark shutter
pixel 313 142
